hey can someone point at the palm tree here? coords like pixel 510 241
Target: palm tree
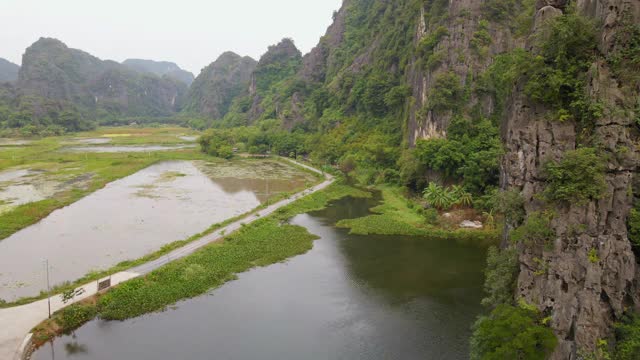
pixel 461 196
pixel 437 196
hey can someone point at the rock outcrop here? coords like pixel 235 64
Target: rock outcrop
pixel 591 274
pixel 52 72
pixel 213 91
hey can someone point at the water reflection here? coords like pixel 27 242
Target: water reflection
pixel 350 297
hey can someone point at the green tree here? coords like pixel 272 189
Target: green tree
pixel 510 332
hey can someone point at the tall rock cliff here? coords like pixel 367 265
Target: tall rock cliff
pixel 588 275
pixel 214 89
pixel 52 72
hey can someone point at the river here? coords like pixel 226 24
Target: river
pixel 350 297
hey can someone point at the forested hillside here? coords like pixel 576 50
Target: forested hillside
pixel 61 89
pixel 529 106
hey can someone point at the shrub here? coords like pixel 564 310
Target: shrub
pixel 511 204
pixel 577 178
pixel 75 315
pixel 500 276
pixel 535 230
pixel 628 338
pixel 557 75
pixel 633 226
pixel 447 92
pixel 510 332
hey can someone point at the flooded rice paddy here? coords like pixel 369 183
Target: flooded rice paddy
pixel 134 216
pixel 125 149
pixel 350 297
pixel 22 186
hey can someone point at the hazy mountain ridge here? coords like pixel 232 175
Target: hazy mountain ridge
pixel 161 68
pixel 8 71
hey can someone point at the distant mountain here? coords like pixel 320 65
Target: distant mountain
pixel 160 68
pixel 218 84
pixel 98 89
pixel 8 71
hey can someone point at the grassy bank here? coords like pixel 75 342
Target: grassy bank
pixel 397 215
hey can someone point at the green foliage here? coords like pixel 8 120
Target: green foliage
pixel 481 39
pixel 429 42
pixel 625 57
pixel 500 10
pixel 500 276
pixel 511 204
pixel 628 338
pixel 578 177
pixel 70 294
pixel 438 196
pixel 75 315
pixel 557 75
pixel 593 256
pixel 511 332
pixel 633 225
pixel 471 151
pixel 535 230
pixel 443 198
pixel 447 92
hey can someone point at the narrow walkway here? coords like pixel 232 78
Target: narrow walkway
pixel 16 322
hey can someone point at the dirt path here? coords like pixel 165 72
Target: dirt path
pixel 17 322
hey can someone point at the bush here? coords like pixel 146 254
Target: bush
pixel 447 92
pixel 500 276
pixel 511 204
pixel 510 332
pixel 628 338
pixel 577 178
pixel 536 229
pixel 557 75
pixel 75 315
pixel 633 226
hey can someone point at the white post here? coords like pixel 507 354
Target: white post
pixel 48 288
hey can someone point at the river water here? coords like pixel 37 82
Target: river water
pixel 128 219
pixel 350 297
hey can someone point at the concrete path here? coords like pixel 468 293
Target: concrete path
pixel 17 322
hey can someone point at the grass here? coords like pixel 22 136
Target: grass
pixel 396 217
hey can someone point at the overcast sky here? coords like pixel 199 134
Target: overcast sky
pixel 191 33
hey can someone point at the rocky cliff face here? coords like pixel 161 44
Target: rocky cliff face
pixel 280 62
pixel 583 294
pixel 8 71
pixel 53 72
pixel 457 37
pixel 160 68
pixel 213 91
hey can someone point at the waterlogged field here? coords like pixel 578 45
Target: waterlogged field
pixel 161 197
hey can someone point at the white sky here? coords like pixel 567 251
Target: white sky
pixel 191 33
